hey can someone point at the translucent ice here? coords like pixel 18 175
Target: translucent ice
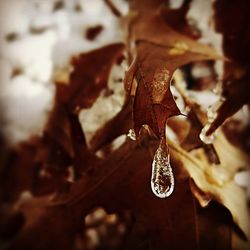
pixel 162 179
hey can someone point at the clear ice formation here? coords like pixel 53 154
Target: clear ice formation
pixel 131 134
pixel 162 179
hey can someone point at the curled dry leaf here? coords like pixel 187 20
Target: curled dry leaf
pixel 89 76
pixel 236 38
pixel 215 181
pixel 218 183
pixel 235 95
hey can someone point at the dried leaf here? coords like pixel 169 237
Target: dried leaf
pixel 236 95
pixel 158 216
pixel 160 50
pixel 218 183
pixel 89 76
pixel 236 37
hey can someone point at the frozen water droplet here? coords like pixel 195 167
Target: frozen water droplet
pixel 131 134
pixel 207 139
pixel 212 113
pixel 162 179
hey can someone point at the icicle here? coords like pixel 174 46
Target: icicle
pixel 162 179
pixel 207 139
pixel 131 134
pixel 211 116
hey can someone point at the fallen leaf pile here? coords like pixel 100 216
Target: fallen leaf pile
pixel 61 191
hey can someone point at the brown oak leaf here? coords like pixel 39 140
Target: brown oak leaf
pixel 159 51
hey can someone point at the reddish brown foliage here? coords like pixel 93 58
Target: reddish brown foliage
pixel 119 182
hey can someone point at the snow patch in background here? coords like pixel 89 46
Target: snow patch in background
pixel 36 40
pixel 106 106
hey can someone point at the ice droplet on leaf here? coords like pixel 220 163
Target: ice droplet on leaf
pixel 162 179
pixel 211 116
pixel 207 139
pixel 131 134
